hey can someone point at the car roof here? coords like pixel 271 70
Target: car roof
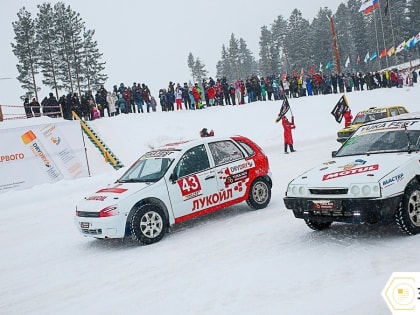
pixel 377 109
pixel 406 116
pixel 185 144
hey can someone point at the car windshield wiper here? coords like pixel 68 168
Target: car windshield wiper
pixel 129 180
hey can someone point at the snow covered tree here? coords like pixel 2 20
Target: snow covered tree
pixel 246 60
pixel 91 69
pixel 236 60
pixel 197 68
pixel 321 43
pixel 234 57
pixel 297 45
pixel 60 47
pixel 346 36
pixel 278 34
pixel 25 49
pixel 223 66
pixel 48 46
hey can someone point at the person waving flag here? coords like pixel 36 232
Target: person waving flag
pixel 285 106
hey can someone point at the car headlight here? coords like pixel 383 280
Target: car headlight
pixel 370 190
pixel 297 191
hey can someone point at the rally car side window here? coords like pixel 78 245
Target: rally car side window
pixel 193 161
pixel 248 149
pixel 402 110
pixel 224 152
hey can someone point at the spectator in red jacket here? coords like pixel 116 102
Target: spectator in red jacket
pixel 211 93
pixel 288 138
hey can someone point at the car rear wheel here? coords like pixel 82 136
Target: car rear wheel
pixel 259 194
pixel 408 213
pixel 148 224
pixel 316 225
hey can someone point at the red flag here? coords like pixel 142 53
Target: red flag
pixel 358 59
pixel 383 53
pixel 312 70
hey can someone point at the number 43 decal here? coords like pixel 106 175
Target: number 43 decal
pixel 189 185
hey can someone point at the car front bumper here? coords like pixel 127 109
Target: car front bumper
pixel 356 211
pixel 109 227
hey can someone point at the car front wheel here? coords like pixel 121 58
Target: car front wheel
pixel 259 194
pixel 148 224
pixel 408 213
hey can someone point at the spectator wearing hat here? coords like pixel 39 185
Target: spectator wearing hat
pixel 27 107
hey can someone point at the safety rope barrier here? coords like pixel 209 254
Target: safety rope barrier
pixel 13 116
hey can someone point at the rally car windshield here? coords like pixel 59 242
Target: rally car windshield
pixel 364 117
pixel 381 142
pixel 146 170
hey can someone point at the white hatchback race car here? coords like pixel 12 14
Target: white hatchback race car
pixel 373 178
pixel 174 183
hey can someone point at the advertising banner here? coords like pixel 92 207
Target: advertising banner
pixel 39 154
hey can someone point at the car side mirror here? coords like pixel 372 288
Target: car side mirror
pixel 173 177
pixel 333 153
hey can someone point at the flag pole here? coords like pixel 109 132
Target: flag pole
pixel 377 41
pixel 383 35
pixel 392 31
pixel 335 46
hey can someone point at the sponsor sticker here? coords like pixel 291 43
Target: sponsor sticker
pixel 353 171
pixel 114 190
pixel 190 187
pixel 392 180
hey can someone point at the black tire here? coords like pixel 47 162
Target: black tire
pixel 316 225
pixel 259 194
pixel 407 216
pixel 148 224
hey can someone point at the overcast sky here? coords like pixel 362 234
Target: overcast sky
pixel 149 41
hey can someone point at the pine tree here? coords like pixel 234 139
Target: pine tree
pixel 25 49
pixel 191 63
pixel 278 32
pixel 91 69
pixel 197 68
pixel 48 43
pixel 268 53
pixel 223 67
pixel 60 47
pixel 320 33
pixel 247 64
pixel 234 58
pixel 297 45
pixel 359 40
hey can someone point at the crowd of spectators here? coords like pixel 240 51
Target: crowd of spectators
pixel 138 98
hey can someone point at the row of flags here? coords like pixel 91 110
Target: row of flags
pixel 370 56
pixel 411 42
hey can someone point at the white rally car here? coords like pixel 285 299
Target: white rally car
pixel 174 183
pixel 373 178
